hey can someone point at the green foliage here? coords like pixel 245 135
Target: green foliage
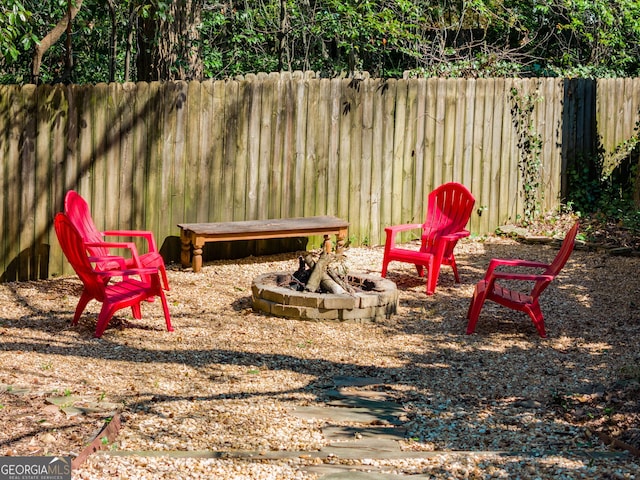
pixel 478 38
pixel 14 31
pixel 606 194
pixel 530 149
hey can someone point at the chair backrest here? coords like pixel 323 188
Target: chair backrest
pixel 73 248
pixel 559 261
pixel 448 211
pixel 77 210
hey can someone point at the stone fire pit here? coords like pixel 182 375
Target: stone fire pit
pixel 376 299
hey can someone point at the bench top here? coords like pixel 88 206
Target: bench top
pixel 319 224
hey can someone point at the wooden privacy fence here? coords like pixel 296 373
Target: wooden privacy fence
pixel 152 155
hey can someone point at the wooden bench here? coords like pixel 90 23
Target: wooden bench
pixel 193 236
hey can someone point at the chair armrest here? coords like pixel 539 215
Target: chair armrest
pixel 456 235
pixel 521 276
pixel 127 245
pixel 148 235
pixel 503 262
pixel 109 258
pixel 127 273
pixel 393 231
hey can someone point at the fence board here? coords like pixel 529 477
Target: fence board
pixel 344 179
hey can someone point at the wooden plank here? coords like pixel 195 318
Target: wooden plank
pixel 420 191
pixel 550 154
pixel 197 111
pixel 155 199
pixel 467 132
pixel 265 161
pixel 477 157
pixel 408 158
pixel 57 111
pixel 267 227
pixel 14 269
pixel 459 125
pixel 508 162
pixel 209 142
pixel 25 190
pixel 278 159
pixel 367 90
pixel 29 243
pixel 388 94
pixel 344 165
pixel 165 162
pixel 311 166
pixel 333 150
pixel 178 116
pixel 125 114
pixel 432 131
pixel 398 153
pixel 285 141
pixel 226 204
pixel 254 90
pixel 438 173
pixel 111 148
pixel 495 176
pixel 484 197
pixel 377 161
pixel 5 127
pixel 7 159
pixel 221 130
pixel 140 121
pixel 355 123
pixel 450 134
pixel 323 139
pixel 253 94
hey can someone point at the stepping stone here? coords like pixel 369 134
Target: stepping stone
pixel 347 472
pixel 375 438
pixel 341 414
pixel 345 381
pixel 73 406
pixel 356 400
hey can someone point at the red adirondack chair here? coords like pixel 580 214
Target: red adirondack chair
pixel 78 212
pixel 489 288
pixel 128 292
pixel 448 211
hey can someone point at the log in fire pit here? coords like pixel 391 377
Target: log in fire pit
pixel 319 290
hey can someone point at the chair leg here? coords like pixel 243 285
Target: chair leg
pixel 477 301
pixel 136 311
pixel 165 280
pixel 432 277
pixel 455 269
pixel 104 317
pixel 165 308
pixel 85 298
pixel 385 264
pixel 538 320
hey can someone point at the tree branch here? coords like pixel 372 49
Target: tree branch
pixel 52 37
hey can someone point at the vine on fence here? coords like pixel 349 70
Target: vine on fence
pixel 530 146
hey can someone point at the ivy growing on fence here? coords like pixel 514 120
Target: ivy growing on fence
pixel 530 149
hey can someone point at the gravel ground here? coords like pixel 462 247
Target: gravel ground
pixel 228 378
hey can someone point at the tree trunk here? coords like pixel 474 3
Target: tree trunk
pixel 52 37
pixel 169 49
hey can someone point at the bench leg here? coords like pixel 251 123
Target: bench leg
pixel 185 252
pixel 340 238
pixel 196 261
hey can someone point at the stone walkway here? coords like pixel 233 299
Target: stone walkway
pixel 374 432
pixel 375 428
